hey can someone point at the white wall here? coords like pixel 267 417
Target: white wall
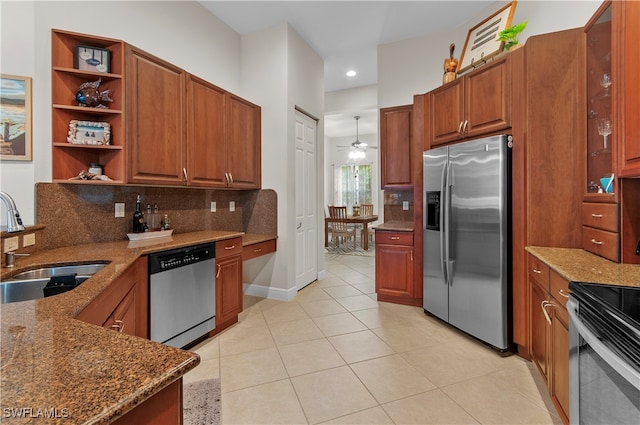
pixel 282 72
pixel 414 66
pixel 184 33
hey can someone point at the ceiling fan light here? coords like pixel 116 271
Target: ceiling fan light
pixel 351 73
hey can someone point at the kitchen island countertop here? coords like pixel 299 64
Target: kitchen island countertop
pixel 67 371
pixel 577 265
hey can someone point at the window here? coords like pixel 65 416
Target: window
pixel 353 185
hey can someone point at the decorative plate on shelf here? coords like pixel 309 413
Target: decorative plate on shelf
pixel 149 235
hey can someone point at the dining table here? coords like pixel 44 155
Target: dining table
pixel 353 219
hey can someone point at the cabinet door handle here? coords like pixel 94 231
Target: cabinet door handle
pixel 184 174
pixel 537 271
pixel 229 248
pixel 464 128
pixel 544 304
pixel 596 215
pixel 257 250
pixel 595 242
pixel 218 267
pixel 231 177
pixel 394 238
pixel 412 255
pixel 118 326
pixel 564 294
pixel 226 177
pixel 460 127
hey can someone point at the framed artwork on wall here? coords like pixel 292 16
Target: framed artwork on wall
pixel 15 118
pixel 482 41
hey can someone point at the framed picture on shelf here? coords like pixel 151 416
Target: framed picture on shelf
pixel 89 133
pixel 482 41
pixel 95 59
pixel 15 118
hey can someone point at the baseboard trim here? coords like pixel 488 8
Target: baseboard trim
pixel 268 292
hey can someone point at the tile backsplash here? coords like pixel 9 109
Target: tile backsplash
pixel 393 200
pixel 75 214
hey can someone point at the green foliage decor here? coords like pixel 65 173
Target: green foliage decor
pixel 510 35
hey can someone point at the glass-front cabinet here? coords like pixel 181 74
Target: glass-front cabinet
pixel 600 207
pixel 601 158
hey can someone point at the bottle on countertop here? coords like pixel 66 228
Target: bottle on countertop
pixel 138 218
pixel 154 221
pixel 166 224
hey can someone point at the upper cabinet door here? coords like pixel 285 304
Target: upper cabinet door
pixel 474 104
pixel 488 99
pixel 155 119
pixel 244 154
pixel 395 146
pixel 447 112
pixel 206 142
pixel 629 87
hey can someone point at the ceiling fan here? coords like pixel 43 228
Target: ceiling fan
pixel 357 145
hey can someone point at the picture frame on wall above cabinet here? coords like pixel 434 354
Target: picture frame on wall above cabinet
pixel 89 133
pixel 93 59
pixel 15 118
pixel 482 41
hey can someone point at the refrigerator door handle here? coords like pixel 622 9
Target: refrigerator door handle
pixel 446 211
pixel 442 223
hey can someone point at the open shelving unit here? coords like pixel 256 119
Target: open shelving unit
pixel 70 159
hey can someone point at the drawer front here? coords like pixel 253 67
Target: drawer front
pixel 559 288
pixel 228 247
pixel 394 238
pixel 600 216
pixel 602 243
pixel 538 271
pixel 258 249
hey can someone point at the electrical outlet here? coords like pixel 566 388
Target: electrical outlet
pixel 119 209
pixel 232 206
pixel 28 240
pixel 405 205
pixel 213 206
pixel 11 244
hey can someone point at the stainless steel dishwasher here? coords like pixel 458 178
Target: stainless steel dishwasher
pixel 182 291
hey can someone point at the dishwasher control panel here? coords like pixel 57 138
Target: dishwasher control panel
pixel 180 257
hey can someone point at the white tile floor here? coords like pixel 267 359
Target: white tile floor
pixel 336 355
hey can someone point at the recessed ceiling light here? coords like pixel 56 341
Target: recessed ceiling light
pixel 351 73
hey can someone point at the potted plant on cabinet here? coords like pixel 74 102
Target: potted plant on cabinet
pixel 510 36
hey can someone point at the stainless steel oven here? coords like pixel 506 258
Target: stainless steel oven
pixel 604 353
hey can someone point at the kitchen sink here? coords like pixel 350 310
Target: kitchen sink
pixel 30 285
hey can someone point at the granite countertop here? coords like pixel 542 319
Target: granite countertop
pixel 88 374
pixel 396 226
pixel 577 265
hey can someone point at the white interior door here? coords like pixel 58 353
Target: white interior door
pixel 305 200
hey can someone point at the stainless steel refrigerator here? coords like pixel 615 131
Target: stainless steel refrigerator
pixel 467 237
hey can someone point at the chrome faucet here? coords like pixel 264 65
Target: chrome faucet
pixel 14 222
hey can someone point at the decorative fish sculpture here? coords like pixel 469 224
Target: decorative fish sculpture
pixel 89 95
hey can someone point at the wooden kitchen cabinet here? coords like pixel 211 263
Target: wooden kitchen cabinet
pixel 206 150
pixel 395 268
pixel 164 407
pixel 186 131
pixel 69 159
pixel 474 104
pixel 155 119
pixel 124 305
pixel 395 147
pixel 626 16
pixel 228 282
pixel 549 333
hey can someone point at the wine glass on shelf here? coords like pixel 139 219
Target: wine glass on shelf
pixel 604 129
pixel 605 80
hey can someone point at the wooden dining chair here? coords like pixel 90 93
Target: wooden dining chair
pixel 340 228
pixel 367 210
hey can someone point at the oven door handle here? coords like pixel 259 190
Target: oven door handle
pixel 612 359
